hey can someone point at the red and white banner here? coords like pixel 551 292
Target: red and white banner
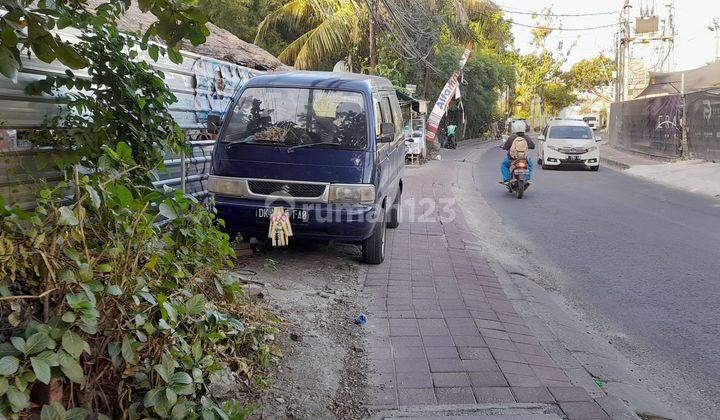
pixel 446 95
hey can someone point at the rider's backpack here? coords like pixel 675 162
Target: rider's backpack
pixel 519 148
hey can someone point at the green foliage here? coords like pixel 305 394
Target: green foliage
pixel 484 76
pixel 242 17
pixel 557 96
pixel 589 75
pixel 137 313
pixel 131 108
pixel 28 26
pixel 328 29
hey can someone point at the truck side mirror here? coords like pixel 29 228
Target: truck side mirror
pixel 387 132
pixel 214 122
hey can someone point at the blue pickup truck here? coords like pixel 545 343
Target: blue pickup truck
pixel 327 147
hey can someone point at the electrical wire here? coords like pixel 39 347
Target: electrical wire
pixel 560 29
pixel 531 13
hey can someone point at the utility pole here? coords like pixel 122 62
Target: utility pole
pixel 626 49
pixel 715 27
pixel 670 36
pixel 373 46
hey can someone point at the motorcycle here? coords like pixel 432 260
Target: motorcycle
pixel 520 175
pixel 450 143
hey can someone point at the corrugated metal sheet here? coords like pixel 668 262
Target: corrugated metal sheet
pixel 202 86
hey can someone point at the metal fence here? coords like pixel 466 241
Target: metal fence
pixel 202 85
pixel 703 115
pixel 653 125
pixel 650 126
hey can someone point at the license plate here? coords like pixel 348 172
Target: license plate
pixel 295 215
pixel 522 171
pixel 573 158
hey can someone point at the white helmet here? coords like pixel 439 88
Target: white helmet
pixel 518 126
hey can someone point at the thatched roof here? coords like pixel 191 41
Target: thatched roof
pixel 221 44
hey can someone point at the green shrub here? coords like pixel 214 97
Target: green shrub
pixel 131 315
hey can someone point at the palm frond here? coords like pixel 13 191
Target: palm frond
pixel 293 15
pixel 290 53
pixel 328 39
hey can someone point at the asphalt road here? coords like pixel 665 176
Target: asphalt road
pixel 642 257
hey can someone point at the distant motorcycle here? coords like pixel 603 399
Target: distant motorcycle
pixel 450 143
pixel 520 174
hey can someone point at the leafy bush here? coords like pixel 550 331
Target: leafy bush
pixel 130 316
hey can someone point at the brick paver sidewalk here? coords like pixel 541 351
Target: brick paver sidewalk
pixel 441 329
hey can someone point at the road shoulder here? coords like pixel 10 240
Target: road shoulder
pixel 696 176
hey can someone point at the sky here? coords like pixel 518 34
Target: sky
pixel 694 45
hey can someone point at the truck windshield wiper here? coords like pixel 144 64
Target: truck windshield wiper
pixel 323 143
pixel 246 140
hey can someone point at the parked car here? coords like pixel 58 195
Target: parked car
pixel 591 121
pixel 328 147
pixel 569 143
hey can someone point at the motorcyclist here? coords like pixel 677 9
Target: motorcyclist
pixel 518 128
pixel 450 131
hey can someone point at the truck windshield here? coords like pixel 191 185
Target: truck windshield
pixel 293 116
pixel 567 132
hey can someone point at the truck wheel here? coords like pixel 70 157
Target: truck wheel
pixel 373 248
pixel 394 218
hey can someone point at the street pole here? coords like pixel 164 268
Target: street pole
pixel 373 46
pixel 715 27
pixel 685 153
pixel 626 49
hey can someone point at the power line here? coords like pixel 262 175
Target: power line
pixel 530 13
pixel 590 28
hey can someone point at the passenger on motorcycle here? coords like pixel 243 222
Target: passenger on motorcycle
pixel 518 127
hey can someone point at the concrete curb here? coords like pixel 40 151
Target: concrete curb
pixel 614 163
pixel 500 411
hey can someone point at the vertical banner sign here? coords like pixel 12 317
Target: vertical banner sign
pixel 446 95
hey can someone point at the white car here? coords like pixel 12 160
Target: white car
pixel 568 143
pixel 592 122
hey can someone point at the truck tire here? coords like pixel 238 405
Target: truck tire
pixel 373 248
pixel 394 217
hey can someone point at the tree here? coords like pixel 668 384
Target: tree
pixel 242 17
pixel 540 75
pixel 332 28
pixel 589 75
pixel 27 26
pixel 556 96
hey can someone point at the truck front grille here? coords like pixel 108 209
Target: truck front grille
pixel 291 189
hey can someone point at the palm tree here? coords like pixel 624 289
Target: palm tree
pixel 332 28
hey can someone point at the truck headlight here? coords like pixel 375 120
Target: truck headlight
pixel 227 186
pixel 353 194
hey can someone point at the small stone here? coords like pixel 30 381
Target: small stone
pixel 295 337
pixel 280 400
pixel 254 290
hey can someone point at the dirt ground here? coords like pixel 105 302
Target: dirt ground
pixel 317 290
